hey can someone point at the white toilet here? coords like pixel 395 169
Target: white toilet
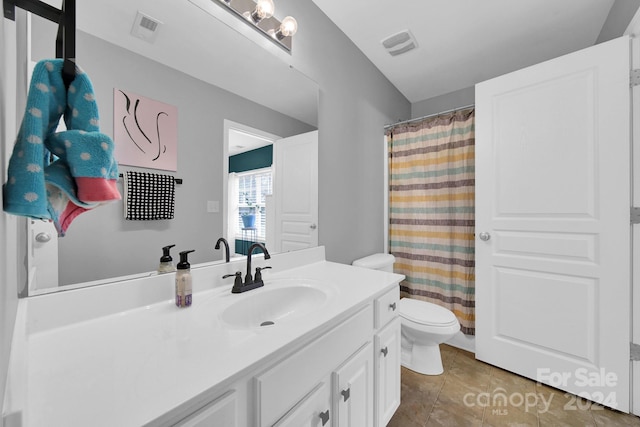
pixel 424 325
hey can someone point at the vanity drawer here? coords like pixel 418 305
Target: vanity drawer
pixel 284 385
pixel 387 307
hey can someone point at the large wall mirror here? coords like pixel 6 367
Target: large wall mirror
pixel 214 75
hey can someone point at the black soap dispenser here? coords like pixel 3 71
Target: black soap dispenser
pixel 183 280
pixel 166 262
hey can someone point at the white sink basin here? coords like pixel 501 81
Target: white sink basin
pixel 273 304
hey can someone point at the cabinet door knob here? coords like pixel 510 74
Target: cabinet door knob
pixel 384 351
pixel 392 306
pixel 324 416
pixel 346 393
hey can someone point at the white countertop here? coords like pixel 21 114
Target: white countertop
pixel 130 366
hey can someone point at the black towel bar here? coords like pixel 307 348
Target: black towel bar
pixel 177 180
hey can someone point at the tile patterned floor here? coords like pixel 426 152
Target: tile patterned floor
pixel 467 394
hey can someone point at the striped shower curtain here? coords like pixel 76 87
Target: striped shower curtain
pixel 431 203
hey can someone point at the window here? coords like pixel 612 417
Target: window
pixel 253 187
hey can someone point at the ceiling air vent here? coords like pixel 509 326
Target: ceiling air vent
pixel 145 27
pixel 400 43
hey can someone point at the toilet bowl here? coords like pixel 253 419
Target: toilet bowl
pixel 424 325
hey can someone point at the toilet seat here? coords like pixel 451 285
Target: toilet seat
pixel 426 313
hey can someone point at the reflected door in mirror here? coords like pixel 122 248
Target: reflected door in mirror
pixel 295 193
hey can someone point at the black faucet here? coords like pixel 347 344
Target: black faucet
pixel 226 247
pixel 249 281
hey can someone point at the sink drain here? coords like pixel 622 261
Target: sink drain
pixel 267 323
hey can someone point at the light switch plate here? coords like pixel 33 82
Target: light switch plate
pixel 213 206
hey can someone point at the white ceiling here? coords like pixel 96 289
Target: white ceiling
pixel 463 42
pixel 240 141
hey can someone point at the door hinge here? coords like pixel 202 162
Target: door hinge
pixel 634 352
pixel 635 215
pixel 634 79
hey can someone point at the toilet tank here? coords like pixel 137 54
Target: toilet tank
pixel 383 262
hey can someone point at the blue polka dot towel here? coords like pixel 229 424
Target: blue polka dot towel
pixel 59 175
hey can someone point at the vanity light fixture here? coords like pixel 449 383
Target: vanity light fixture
pixel 259 15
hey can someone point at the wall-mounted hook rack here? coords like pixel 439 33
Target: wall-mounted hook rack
pixel 66 20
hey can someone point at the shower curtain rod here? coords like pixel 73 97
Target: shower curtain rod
pixel 430 115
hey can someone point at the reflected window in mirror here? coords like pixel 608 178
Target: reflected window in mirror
pixel 252 188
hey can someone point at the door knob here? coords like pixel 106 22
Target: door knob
pixel 43 237
pixel 313 226
pixel 484 236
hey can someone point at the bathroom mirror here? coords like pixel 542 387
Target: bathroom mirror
pixel 211 72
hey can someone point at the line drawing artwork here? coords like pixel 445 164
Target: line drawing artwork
pixel 145 131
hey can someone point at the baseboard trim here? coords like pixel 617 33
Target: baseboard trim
pixel 464 342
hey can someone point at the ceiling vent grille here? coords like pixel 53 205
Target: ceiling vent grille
pixel 145 27
pixel 400 43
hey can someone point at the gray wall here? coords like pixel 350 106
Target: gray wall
pixel 448 101
pixel 618 20
pixel 356 101
pixel 135 246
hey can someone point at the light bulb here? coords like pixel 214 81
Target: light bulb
pixel 264 9
pixel 289 26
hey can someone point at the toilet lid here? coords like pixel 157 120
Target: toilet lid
pixel 426 313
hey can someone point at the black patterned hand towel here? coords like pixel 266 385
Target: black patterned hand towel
pixel 148 196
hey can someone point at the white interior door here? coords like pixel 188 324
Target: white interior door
pixel 42 247
pixel 295 192
pixel 635 261
pixel 552 196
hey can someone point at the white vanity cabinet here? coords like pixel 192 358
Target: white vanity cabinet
pixel 222 412
pixel 319 365
pixel 288 389
pixel 225 406
pixel 387 372
pixel 362 363
pixel 312 411
pixel 353 390
pixel 343 399
pixel 346 376
pixel 387 357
